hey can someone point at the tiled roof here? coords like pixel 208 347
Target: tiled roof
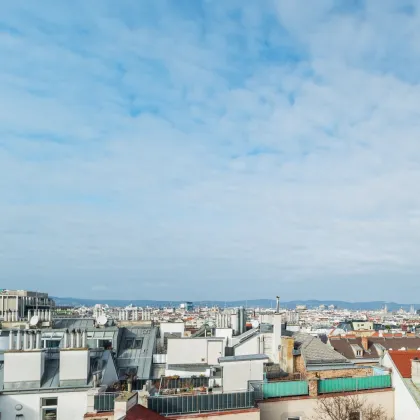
pixel 343 345
pixel 402 360
pixel 314 351
pixel 138 412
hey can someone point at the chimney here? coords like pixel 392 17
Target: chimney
pixel 365 343
pixel 72 332
pixel 23 368
pixel 78 339
pixel 11 339
pixel 38 340
pixel 31 340
pixel 74 367
pixel 66 339
pixel 18 341
pixel 277 304
pixel 84 339
pixel 415 371
pixel 25 340
pixel 29 315
pixel 49 315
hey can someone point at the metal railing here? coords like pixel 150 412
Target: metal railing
pixel 354 384
pixel 284 389
pixel 201 403
pixel 105 401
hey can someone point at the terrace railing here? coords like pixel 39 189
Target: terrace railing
pixel 171 405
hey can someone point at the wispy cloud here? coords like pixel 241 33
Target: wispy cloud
pixel 193 149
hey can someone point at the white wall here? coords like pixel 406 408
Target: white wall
pixel 237 374
pixel 303 408
pixel 224 333
pixel 172 327
pixel 25 366
pixel 71 405
pixel 250 346
pixel 405 406
pixel 74 364
pixel 194 350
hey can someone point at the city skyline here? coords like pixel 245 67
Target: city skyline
pixel 170 149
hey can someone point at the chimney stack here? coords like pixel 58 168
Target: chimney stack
pixel 29 315
pixel 11 338
pixel 84 339
pixel 66 339
pixel 415 371
pixel 18 341
pixel 78 339
pixel 25 340
pixel 277 304
pixel 365 343
pixel 38 340
pixel 72 343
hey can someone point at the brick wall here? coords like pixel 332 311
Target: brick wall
pixel 339 373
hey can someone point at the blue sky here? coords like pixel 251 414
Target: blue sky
pixel 210 149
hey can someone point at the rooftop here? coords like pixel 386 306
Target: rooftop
pixel 402 360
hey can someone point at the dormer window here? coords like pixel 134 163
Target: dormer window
pixel 359 353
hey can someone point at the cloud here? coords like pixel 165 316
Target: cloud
pixel 210 149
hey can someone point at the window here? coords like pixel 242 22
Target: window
pixel 355 415
pixel 52 344
pixel 293 418
pixel 133 343
pixel 49 408
pixel 359 353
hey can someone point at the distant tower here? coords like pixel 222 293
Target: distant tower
pixel 412 311
pixel 386 308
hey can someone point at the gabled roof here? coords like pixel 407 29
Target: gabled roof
pixel 402 360
pixel 314 351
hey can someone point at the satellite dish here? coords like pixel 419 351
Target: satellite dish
pixel 255 323
pixel 102 320
pixel 33 322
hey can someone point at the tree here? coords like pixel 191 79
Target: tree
pixel 350 407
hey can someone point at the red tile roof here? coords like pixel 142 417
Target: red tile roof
pixel 138 412
pixel 402 360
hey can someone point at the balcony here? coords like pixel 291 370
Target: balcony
pixel 354 384
pixel 265 390
pixel 185 404
pixel 105 401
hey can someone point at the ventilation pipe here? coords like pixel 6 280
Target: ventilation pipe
pixel 78 339
pixel 49 315
pixel 18 341
pixel 66 339
pixel 29 315
pixel 277 304
pixel 25 340
pixel 38 340
pixel 84 339
pixel 72 339
pixel 11 336
pixel 31 340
